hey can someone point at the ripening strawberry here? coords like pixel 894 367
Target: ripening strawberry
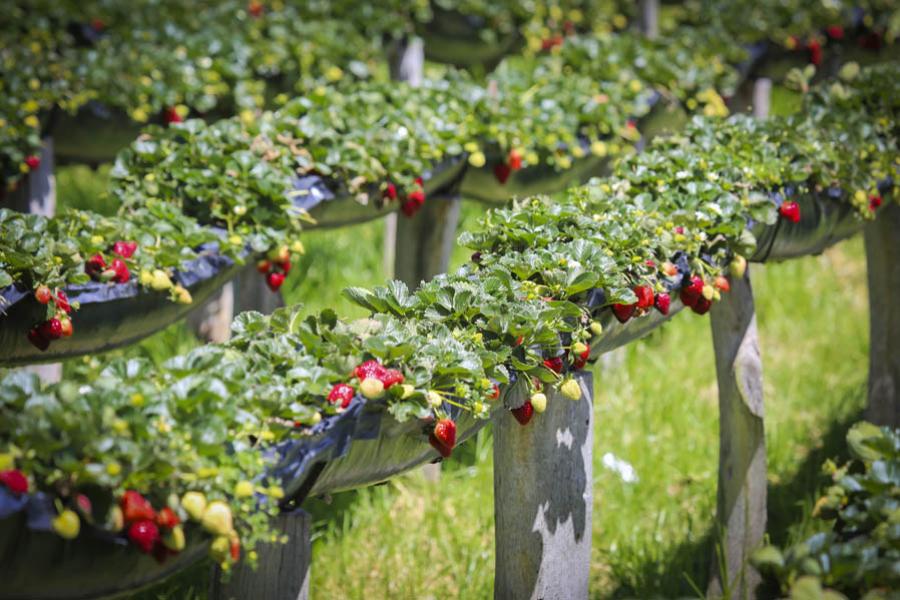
pixel 171 116
pixel 722 284
pixel 66 326
pixel 285 266
pixel 623 312
pixel 514 160
pixel 42 294
pixel 264 266
pixel 167 519
pixel 15 481
pixel 790 210
pixel 136 508
pixel 342 393
pixel 582 353
pixel 274 280
pixel 495 392
pixel 144 534
pixel 33 162
pixel 62 302
pixel 524 413
pixel 255 8
pixel 443 437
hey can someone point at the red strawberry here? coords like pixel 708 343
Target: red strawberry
pixel 38 340
pixel 514 160
pixel 669 269
pixel 790 210
pixel 390 191
pixel 121 271
pixel 62 302
pixel 644 296
pixel 417 197
pixel 443 438
pixel 171 116
pixel 136 508
pixel 550 42
pixel 662 302
pixel 264 267
pixel 124 249
pixel 701 307
pixel 835 32
pixel 370 368
pixel 15 481
pixel 274 280
pixel 33 162
pixel 409 208
pixel 524 413
pixel 722 284
pixel 870 41
pixel 144 534
pixel 235 548
pixel 51 329
pixel 623 312
pixel 502 172
pixel 95 266
pixel 815 52
pixel 167 519
pixel 692 291
pixel 66 327
pixel 84 505
pixel 42 294
pixel 679 230
pixel 495 392
pixel 555 364
pixel 98 25
pixel 519 341
pixel 343 393
pixel 874 202
pixel 285 266
pixel 391 377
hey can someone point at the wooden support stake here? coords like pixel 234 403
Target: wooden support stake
pixel 283 569
pixel 650 18
pixel 883 263
pixel 543 496
pixel 762 97
pixel 741 509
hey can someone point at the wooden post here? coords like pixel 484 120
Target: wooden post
pixel 650 18
pixel 883 263
pixel 762 97
pixel 283 569
pixel 37 195
pixel 543 496
pixel 741 507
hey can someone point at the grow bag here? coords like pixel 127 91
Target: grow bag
pixel 111 315
pixel 37 564
pixel 462 40
pixel 481 184
pixel 331 205
pixel 826 217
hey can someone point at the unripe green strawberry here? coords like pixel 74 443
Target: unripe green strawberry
pixel 539 402
pixel 243 489
pixel 66 524
pixel 434 399
pixel 596 327
pixel 194 503
pixel 708 291
pixel 217 518
pixel 173 539
pixel 160 281
pixel 570 389
pixel 115 520
pixel 371 388
pixel 220 549
pixel 738 266
pixel 408 390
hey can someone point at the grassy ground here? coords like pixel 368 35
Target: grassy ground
pixel 655 408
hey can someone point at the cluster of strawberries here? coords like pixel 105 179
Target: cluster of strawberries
pixel 158 533
pixel 117 269
pixel 503 170
pixel 275 267
pixel 646 300
pixel 414 199
pixel 58 324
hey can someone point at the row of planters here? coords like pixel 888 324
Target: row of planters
pixel 146 466
pixel 197 199
pixel 93 73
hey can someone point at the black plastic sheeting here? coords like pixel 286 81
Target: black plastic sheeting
pixel 481 184
pixel 463 40
pixel 37 564
pixel 111 315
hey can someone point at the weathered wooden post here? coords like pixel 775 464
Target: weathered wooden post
pixel 283 569
pixel 762 97
pixel 650 18
pixel 883 263
pixel 37 195
pixel 741 505
pixel 543 496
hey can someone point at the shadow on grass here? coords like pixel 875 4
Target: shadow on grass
pixel 682 570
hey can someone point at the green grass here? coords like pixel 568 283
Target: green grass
pixel 655 408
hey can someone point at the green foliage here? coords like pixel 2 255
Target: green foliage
pixel 859 553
